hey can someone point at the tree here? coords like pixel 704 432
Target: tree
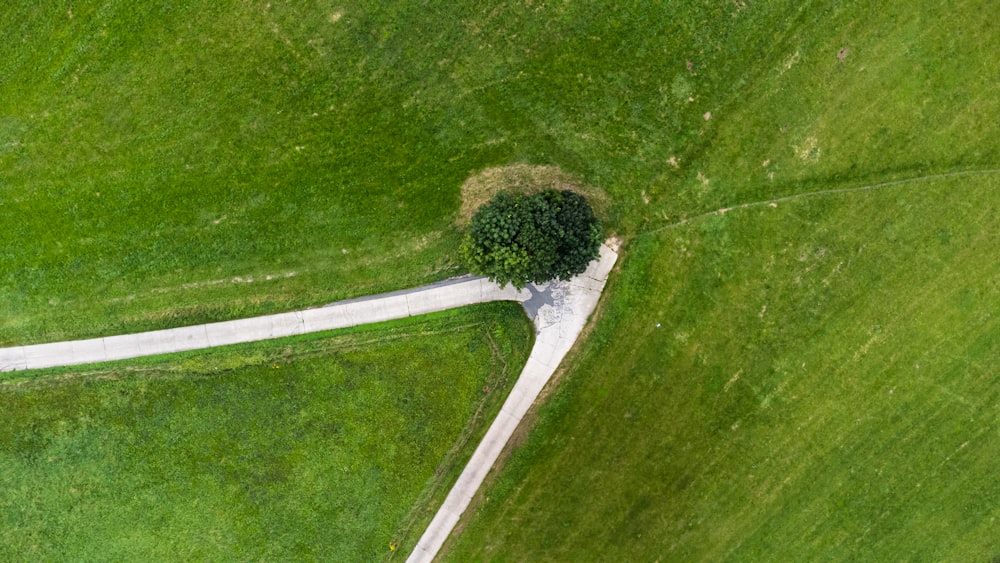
pixel 519 238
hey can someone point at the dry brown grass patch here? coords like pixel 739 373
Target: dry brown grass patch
pixel 524 178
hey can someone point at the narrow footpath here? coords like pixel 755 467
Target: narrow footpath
pixel 559 310
pixel 441 296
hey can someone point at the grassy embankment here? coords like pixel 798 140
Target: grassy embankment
pixel 325 447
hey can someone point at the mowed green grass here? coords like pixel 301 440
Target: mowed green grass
pixel 815 380
pixel 674 110
pixel 169 164
pixel 329 447
pixel 809 380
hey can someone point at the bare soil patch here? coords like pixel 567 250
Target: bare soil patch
pixel 524 178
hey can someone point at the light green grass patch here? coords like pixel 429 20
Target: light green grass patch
pixel 164 165
pixel 327 447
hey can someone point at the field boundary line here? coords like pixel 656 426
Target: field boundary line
pixel 832 191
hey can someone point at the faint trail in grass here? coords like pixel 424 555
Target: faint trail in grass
pixel 870 187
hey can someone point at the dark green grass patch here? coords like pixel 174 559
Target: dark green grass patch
pixel 815 380
pixel 327 447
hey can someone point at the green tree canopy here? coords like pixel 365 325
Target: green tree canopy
pixel 519 238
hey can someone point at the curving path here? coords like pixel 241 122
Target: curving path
pixel 559 311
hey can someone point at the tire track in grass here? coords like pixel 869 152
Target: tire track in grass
pixel 775 201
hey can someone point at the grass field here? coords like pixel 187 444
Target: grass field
pixel 320 150
pixel 809 381
pixel 806 377
pixel 168 164
pixel 329 447
pixel 163 165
